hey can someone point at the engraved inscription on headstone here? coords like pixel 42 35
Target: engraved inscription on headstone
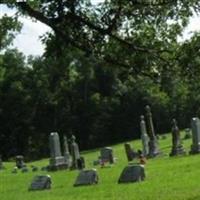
pixel 195 124
pixel 132 173
pixel 87 177
pixel 177 147
pixel 41 183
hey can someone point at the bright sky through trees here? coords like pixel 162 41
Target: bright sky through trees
pixel 28 41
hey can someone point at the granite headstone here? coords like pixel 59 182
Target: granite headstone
pixel 20 161
pixel 87 177
pixel 144 136
pixel 130 153
pixel 41 183
pixel 56 161
pixel 153 143
pixel 132 173
pixel 74 153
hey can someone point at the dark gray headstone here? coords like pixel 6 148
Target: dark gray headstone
pixel 153 143
pixel 195 124
pixel 130 153
pixel 188 134
pixel 56 161
pixel 144 136
pixel 81 163
pixel 106 155
pixel 74 153
pixel 24 170
pixel 41 183
pixel 20 161
pixel 87 177
pixel 132 173
pixel 34 168
pixel 177 147
pixel 14 171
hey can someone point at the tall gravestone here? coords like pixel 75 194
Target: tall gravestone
pixel 56 161
pixel 74 153
pixel 177 147
pixel 195 124
pixel 153 143
pixel 66 154
pixel 144 137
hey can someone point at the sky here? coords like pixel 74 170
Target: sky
pixel 29 42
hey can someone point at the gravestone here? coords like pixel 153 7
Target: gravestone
pixel 188 134
pixel 153 143
pixel 57 161
pixel 14 171
pixel 132 173
pixel 24 169
pixel 81 163
pixel 177 147
pixel 195 147
pixel 106 155
pixel 66 154
pixel 87 177
pixel 34 168
pixel 20 161
pixel 130 153
pixel 74 153
pixel 41 183
pixel 144 136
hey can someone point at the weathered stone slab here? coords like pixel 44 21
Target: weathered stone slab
pixel 41 183
pixel 87 177
pixel 132 173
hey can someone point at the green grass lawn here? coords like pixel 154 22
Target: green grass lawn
pixel 166 178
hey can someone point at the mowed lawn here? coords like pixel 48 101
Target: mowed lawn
pixel 166 178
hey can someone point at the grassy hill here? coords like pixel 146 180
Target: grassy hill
pixel 167 179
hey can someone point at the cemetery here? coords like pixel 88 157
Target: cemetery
pixel 172 173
